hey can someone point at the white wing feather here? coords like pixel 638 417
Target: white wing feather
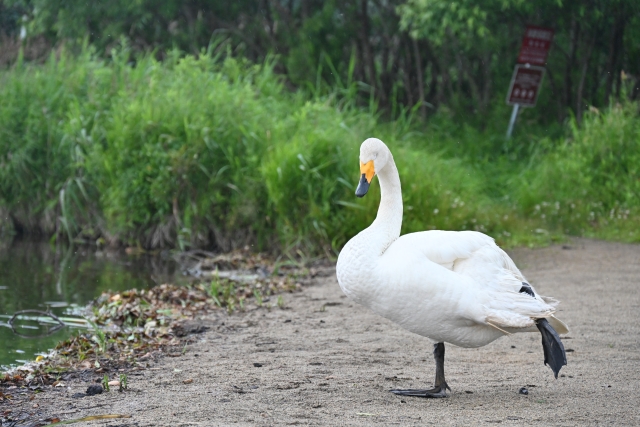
pixel 476 256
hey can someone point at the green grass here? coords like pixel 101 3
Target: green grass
pixel 216 152
pixel 590 183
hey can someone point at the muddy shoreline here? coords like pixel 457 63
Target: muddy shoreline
pixel 319 359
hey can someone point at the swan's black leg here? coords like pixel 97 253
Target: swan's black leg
pixel 440 386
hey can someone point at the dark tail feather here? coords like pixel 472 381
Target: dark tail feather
pixel 554 354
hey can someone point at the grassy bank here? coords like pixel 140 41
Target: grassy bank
pixel 217 153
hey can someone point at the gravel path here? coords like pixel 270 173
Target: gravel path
pixel 325 361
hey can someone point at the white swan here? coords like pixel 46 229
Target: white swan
pixel 448 286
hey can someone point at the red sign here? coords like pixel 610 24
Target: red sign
pixel 535 45
pixel 525 85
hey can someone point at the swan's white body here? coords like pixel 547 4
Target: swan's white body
pixel 454 287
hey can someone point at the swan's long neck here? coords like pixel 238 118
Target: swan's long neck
pixel 358 259
pixel 386 227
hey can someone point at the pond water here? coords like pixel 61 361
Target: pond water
pixel 37 276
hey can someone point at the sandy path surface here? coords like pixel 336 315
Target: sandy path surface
pixel 325 361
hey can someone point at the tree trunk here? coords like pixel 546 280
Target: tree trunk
pixel 618 65
pixel 419 78
pixel 447 82
pixel 386 71
pixel 359 69
pixel 614 53
pixel 390 73
pixel 406 74
pixel 270 23
pixel 370 65
pixel 555 93
pixel 434 88
pixel 635 91
pixel 583 78
pixel 487 81
pixel 567 100
pixel 464 72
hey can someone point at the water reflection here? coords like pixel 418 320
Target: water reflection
pixel 35 275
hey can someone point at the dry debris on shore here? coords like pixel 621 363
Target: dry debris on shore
pixel 126 330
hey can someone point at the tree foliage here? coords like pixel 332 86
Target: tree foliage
pixel 431 53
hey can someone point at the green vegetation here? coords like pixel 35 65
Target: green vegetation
pixel 110 133
pixel 590 184
pixel 437 54
pixel 215 151
pixel 105 383
pixel 123 379
pixel 100 337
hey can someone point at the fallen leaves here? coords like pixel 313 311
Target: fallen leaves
pixel 134 326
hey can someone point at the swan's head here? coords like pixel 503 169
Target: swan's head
pixel 374 155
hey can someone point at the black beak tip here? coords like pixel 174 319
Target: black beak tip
pixel 363 187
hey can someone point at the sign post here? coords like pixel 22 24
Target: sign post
pixel 525 85
pixel 512 120
pixel 528 73
pixel 523 90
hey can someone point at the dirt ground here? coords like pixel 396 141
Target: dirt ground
pixel 326 361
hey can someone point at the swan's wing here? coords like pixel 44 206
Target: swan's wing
pixel 445 247
pixel 465 252
pixel 500 282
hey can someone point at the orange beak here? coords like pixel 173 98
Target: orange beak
pixel 367 170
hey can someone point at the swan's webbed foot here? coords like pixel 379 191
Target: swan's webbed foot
pixel 441 387
pixel 436 392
